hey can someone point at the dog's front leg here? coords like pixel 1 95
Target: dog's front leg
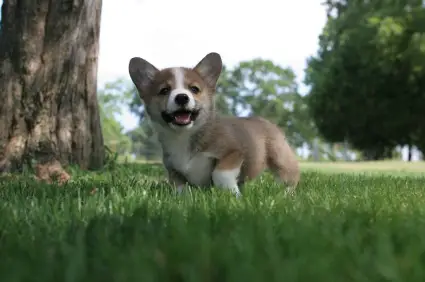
pixel 176 180
pixel 226 172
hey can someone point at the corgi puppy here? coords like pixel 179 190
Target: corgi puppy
pixel 199 146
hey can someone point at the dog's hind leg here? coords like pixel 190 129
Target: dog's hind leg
pixel 226 172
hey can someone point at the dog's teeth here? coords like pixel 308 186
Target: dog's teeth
pixel 182 118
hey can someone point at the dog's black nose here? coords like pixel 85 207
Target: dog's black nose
pixel 181 99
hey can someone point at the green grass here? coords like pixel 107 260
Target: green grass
pixel 372 167
pixel 337 227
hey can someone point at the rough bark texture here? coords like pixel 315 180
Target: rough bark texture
pixel 48 76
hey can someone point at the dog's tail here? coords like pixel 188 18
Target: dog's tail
pixel 282 159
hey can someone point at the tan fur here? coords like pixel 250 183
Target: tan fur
pixel 224 151
pixel 256 142
pixel 231 160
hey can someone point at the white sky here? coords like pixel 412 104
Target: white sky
pixel 181 32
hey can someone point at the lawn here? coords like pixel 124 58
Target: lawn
pixel 373 167
pixel 125 225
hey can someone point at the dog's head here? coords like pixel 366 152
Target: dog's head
pixel 177 98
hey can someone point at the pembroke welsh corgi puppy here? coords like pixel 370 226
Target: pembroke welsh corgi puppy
pixel 199 146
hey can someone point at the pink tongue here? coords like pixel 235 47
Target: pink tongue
pixel 182 118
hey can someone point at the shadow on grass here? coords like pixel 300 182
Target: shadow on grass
pixel 196 244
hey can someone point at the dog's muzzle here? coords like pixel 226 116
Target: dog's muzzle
pixel 181 117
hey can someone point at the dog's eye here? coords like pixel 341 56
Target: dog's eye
pixel 194 89
pixel 164 90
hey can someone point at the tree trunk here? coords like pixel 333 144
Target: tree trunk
pixel 409 153
pixel 388 153
pixel 48 81
pixel 374 154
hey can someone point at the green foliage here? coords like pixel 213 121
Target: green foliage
pixel 368 79
pixel 227 97
pixel 123 225
pixel 144 142
pixel 265 89
pixel 112 98
pixel 136 106
pixel 111 159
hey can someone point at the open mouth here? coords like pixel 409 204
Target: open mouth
pixel 180 117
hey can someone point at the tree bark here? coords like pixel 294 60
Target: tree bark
pixel 374 154
pixel 48 81
pixel 409 153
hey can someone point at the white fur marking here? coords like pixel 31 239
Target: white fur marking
pixel 179 89
pixel 180 189
pixel 227 179
pixel 176 127
pixel 179 78
pixel 196 168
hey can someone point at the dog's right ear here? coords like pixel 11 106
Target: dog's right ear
pixel 142 74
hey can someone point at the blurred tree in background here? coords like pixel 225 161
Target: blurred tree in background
pixel 262 88
pixel 368 78
pixel 113 98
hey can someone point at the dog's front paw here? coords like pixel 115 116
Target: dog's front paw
pixel 290 191
pixel 179 189
pixel 226 179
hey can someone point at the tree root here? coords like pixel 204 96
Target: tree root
pixel 50 172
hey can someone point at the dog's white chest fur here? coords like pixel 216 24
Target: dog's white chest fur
pixel 197 168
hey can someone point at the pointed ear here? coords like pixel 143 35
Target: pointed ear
pixel 210 68
pixel 142 74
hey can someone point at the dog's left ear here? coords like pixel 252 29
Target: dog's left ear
pixel 210 68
